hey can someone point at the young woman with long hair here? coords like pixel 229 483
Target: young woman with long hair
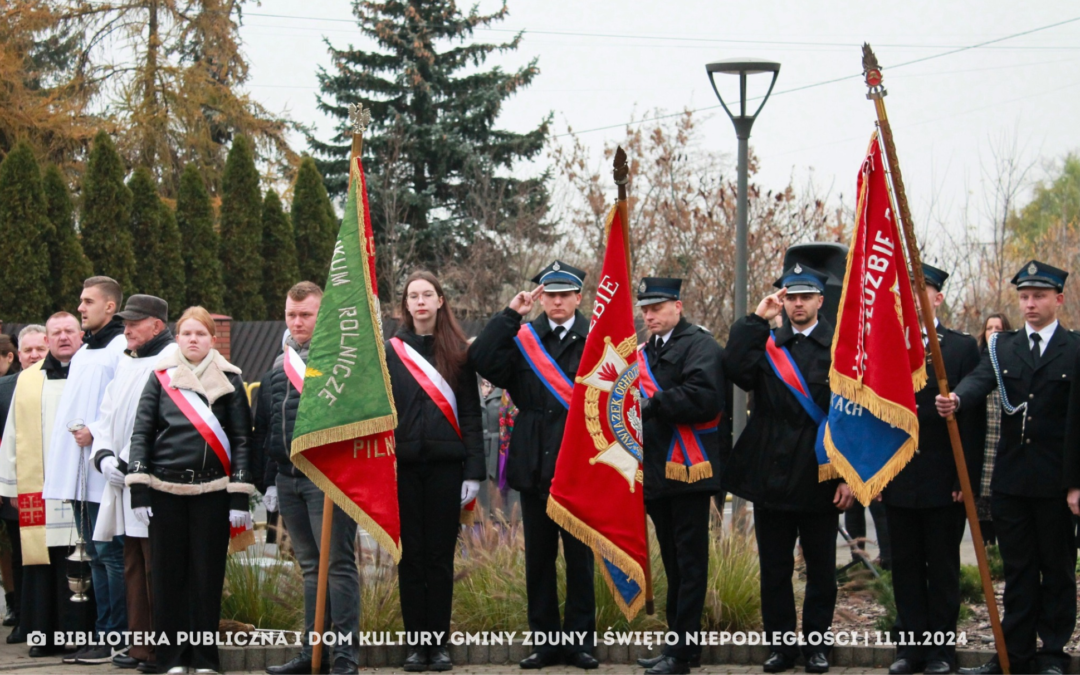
pixel 440 452
pixel 994 323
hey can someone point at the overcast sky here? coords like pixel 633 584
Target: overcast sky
pixel 603 62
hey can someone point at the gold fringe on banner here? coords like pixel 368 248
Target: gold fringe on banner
pixel 827 472
pixel 602 548
pixel 349 506
pixel 345 432
pixel 865 491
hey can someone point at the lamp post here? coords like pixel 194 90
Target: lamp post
pixel 742 67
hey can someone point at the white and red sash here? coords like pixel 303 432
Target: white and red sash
pixel 201 417
pixel 295 368
pixel 429 379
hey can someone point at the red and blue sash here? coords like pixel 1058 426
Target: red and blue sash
pixel 545 367
pixel 687 460
pixel 785 368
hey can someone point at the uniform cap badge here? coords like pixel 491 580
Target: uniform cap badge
pixel 1033 269
pixel 555 267
pixel 798 268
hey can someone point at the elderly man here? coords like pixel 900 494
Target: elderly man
pixel 47 527
pixel 32 348
pixel 148 338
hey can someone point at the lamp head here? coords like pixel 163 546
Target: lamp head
pixel 743 68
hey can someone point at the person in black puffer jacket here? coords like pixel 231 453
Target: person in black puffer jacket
pixel 440 452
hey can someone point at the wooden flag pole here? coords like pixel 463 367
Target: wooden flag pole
pixel 360 117
pixel 622 177
pixel 872 72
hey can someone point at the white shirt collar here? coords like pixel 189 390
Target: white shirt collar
pixel 806 331
pixel 665 337
pixel 568 324
pixel 1046 333
pixel 937 324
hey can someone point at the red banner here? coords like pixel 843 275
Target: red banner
pixel 597 493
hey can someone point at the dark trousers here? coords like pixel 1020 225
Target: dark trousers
pixel 189 541
pixel 1039 554
pixel 926 576
pixel 139 578
pixel 429 497
pixel 776 533
pixel 12 527
pixel 542 536
pixel 46 601
pixel 682 530
pixel 855 524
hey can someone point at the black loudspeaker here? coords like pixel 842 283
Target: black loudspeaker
pixel 827 258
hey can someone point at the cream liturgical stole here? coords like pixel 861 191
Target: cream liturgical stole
pixel 42 523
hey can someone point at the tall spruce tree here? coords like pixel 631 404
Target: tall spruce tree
pixel 146 232
pixel 67 260
pixel 171 260
pixel 106 214
pixel 200 243
pixel 279 256
pixel 241 234
pixel 314 223
pixel 433 135
pixel 25 231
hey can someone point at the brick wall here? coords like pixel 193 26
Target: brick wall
pixel 223 326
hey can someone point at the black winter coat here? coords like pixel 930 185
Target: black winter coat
pixel 688 371
pixel 163 438
pixel 423 433
pixel 929 479
pixel 284 403
pixel 263 469
pixel 538 428
pixel 1030 455
pixel 774 464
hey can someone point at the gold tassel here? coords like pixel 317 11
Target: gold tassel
pixel 241 541
pixel 602 548
pixel 701 471
pixel 919 377
pixel 676 471
pixel 467 517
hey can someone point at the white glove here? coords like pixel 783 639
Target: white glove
pixel 110 467
pixel 469 490
pixel 143 514
pixel 240 519
pixel 270 498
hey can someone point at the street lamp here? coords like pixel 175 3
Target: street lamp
pixel 742 67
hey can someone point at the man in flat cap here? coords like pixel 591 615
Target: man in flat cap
pixel 925 510
pixel 146 330
pixel 1033 368
pixel 536 363
pixel 683 396
pixel 774 464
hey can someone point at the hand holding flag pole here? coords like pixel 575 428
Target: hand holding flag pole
pixel 876 93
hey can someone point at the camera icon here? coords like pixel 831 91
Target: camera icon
pixel 36 639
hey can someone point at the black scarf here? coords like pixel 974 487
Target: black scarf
pixel 105 335
pixel 155 345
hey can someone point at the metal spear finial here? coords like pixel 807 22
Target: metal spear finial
pixel 872 73
pixel 359 118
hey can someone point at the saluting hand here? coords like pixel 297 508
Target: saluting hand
pixel 771 306
pixel 523 301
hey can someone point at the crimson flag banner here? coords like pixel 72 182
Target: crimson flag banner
pixel 597 493
pixel 878 362
pixel 344 434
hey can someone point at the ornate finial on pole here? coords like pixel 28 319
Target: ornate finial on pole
pixel 359 117
pixel 622 171
pixel 872 73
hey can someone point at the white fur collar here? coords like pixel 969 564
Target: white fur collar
pixel 213 385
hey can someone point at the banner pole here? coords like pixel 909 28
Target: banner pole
pixel 872 73
pixel 622 177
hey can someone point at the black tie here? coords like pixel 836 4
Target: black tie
pixel 559 332
pixel 658 343
pixel 799 337
pixel 1036 353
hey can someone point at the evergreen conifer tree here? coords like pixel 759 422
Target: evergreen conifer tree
pixel 313 222
pixel 241 234
pixel 146 232
pixel 200 243
pixel 433 136
pixel 171 261
pixel 68 263
pixel 106 214
pixel 279 256
pixel 26 232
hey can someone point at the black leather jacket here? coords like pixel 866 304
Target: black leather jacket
pixel 168 453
